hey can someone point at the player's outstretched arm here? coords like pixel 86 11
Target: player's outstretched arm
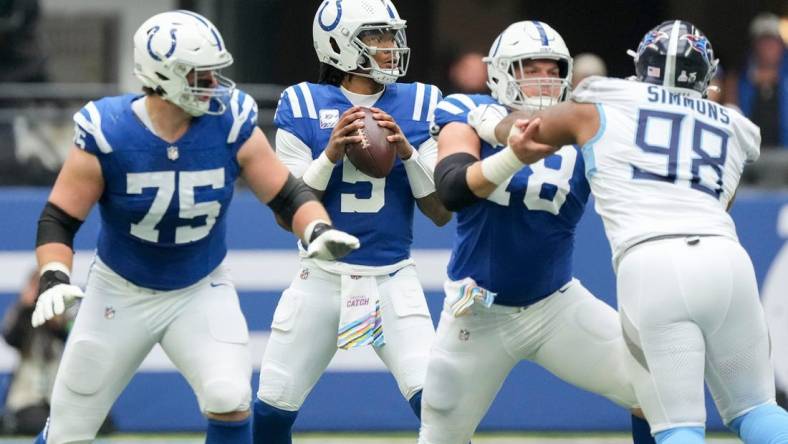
pixel 459 150
pixel 77 188
pixel 458 174
pixel 291 200
pixel 504 127
pixel 564 124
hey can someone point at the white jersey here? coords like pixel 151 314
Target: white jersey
pixel 663 162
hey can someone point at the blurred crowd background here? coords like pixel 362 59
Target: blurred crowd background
pixel 57 54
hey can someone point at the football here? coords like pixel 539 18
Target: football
pixel 375 155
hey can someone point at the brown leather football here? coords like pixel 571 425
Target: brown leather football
pixel 375 156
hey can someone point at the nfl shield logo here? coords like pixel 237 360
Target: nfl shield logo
pixel 172 153
pixel 109 312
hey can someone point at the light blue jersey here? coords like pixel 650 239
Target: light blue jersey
pixel 164 204
pixel 377 211
pixel 519 241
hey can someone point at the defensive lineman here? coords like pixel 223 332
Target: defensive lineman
pixel 362 49
pixel 162 167
pixel 664 164
pixel 511 295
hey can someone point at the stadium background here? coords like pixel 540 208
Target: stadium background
pixel 88 52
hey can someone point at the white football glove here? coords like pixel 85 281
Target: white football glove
pixel 328 243
pixel 57 294
pixel 484 119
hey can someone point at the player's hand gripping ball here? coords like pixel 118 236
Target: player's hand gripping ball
pixel 375 155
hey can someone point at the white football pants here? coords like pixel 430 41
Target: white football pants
pixel 690 307
pixel 304 335
pixel 201 328
pixel 570 333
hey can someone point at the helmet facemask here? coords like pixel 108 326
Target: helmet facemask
pixel 198 96
pixel 511 86
pixel 398 55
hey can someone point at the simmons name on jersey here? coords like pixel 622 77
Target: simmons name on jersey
pixel 377 211
pixel 659 150
pixel 164 204
pixel 519 241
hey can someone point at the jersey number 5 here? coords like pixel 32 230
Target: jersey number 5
pixel 164 182
pixel 350 203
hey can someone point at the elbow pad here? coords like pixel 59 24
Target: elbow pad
pixel 451 184
pixel 56 226
pixel 290 198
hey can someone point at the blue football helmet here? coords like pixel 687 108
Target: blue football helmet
pixel 675 54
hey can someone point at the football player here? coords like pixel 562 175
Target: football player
pixel 664 165
pixel 372 297
pixel 511 294
pixel 162 167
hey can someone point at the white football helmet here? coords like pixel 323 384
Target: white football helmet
pixel 337 31
pixel 171 45
pixel 519 43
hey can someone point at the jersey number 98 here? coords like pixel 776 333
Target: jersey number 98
pixel 709 146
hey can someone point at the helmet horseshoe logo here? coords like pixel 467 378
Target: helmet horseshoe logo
pixel 331 26
pixel 152 32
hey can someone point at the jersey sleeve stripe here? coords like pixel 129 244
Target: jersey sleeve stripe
pixel 434 92
pixel 239 117
pixel 465 100
pixel 310 103
pixel 94 127
pixel 294 105
pixel 588 148
pixel 417 106
pixel 449 108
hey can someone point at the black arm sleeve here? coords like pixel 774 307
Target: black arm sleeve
pixel 289 199
pixel 450 183
pixel 56 226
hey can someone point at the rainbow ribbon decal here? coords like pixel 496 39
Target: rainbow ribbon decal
pixel 365 330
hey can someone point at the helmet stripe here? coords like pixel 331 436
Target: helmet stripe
pixel 218 40
pixel 195 15
pixel 542 32
pixel 202 20
pixel 670 58
pixel 497 45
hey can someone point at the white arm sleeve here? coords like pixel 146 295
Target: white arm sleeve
pixel 293 152
pixel 419 168
pixel 429 152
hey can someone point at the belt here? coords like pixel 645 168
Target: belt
pixel 690 239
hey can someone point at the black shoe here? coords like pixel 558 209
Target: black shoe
pixel 782 399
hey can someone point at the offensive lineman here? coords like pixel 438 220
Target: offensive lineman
pixel 362 49
pixel 511 294
pixel 664 165
pixel 162 167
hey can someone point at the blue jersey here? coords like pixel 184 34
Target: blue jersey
pixel 519 241
pixel 377 211
pixel 164 204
